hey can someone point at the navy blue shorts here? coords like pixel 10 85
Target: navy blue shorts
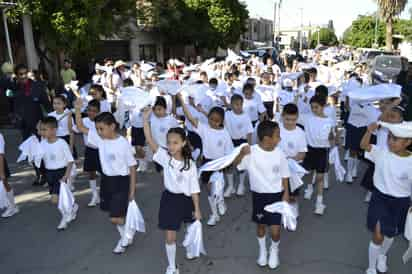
pixel 367 180
pixel 138 138
pixel 205 177
pixel 175 209
pixel 317 158
pixel 194 140
pixel 114 195
pixel 390 212
pixel 354 137
pixel 53 178
pixel 259 215
pixel 91 160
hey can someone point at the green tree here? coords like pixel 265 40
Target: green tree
pixel 203 23
pixel 325 36
pixel 361 33
pixel 74 27
pixel 389 9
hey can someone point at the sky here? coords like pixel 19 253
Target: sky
pixel 342 12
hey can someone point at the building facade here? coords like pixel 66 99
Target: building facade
pixel 259 33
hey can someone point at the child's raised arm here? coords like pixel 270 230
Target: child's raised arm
pixel 187 113
pixel 245 151
pixel 365 143
pixel 147 132
pixel 78 115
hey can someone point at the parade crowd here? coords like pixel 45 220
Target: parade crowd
pixel 218 128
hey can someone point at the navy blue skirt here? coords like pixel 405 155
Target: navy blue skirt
pixel 390 212
pixel 354 136
pixel 91 160
pixel 138 138
pixel 175 209
pixel 317 158
pixel 259 215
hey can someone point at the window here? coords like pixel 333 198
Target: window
pixel 148 52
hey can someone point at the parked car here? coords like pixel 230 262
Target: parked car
pixel 370 55
pixel 389 69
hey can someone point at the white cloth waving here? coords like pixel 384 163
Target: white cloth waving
pixel 334 159
pixel 296 174
pixel 288 212
pixel 408 235
pixel 134 220
pixel 66 199
pixel 223 162
pixel 194 240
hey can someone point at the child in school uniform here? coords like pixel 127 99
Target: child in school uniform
pixel 64 120
pixel 392 115
pixel 287 94
pixel 58 161
pixel 293 138
pixel 118 164
pixel 11 209
pixel 138 138
pixel 253 105
pixel 91 155
pixel 98 93
pixel 180 200
pixel 240 128
pixel 160 123
pixel 269 184
pixel 268 94
pixel 319 136
pixel 390 200
pixel 216 143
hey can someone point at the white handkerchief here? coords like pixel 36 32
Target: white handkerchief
pixel 408 235
pixel 218 186
pixel 288 212
pixel 376 92
pixel 134 220
pixel 171 87
pixel 4 201
pixel 296 174
pixel 30 149
pixel 223 162
pixel 66 199
pixel 132 98
pixel 194 240
pixel 401 130
pixel 334 159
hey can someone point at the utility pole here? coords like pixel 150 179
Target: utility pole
pixel 301 31
pixel 279 4
pixel 375 45
pixel 274 22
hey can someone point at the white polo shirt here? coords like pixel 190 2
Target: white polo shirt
pixel 57 155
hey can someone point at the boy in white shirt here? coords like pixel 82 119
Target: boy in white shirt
pixel 240 128
pixel 319 136
pixel 58 161
pixel 268 94
pixel 269 184
pixel 253 105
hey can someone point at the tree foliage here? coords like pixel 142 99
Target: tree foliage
pixel 74 26
pixel 326 36
pixel 203 23
pixel 362 31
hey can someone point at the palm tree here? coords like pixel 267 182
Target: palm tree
pixel 388 10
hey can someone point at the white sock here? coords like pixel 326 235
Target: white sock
pixel 275 245
pixel 213 205
pixel 355 167
pixel 310 187
pixel 386 245
pixel 10 196
pixel 374 251
pixel 262 243
pixel 319 199
pixel 93 186
pixel 120 228
pixel 230 179
pixel 350 166
pixel 314 177
pixel 171 255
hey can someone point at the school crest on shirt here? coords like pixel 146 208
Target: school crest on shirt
pixel 111 157
pixel 52 157
pixel 162 130
pixel 239 126
pixel 404 177
pixel 291 145
pixel 275 169
pixel 220 143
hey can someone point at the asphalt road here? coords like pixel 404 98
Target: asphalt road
pixel 336 243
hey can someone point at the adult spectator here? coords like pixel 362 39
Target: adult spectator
pixel 67 73
pixel 30 101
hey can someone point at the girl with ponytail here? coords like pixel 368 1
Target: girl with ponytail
pixel 180 200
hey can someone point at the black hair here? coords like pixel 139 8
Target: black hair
pixel 219 111
pixel 228 75
pixel 236 97
pixel 94 104
pixel 19 67
pixel 247 86
pixel 236 73
pixel 213 81
pixel 318 99
pixel 160 101
pixel 290 109
pixel 313 71
pixel 250 79
pixel 61 97
pixel 107 118
pixel 266 129
pixel 127 82
pixel 306 75
pixel 186 150
pixel 100 89
pixel 50 121
pixel 203 73
pixel 322 91
pixel 247 67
